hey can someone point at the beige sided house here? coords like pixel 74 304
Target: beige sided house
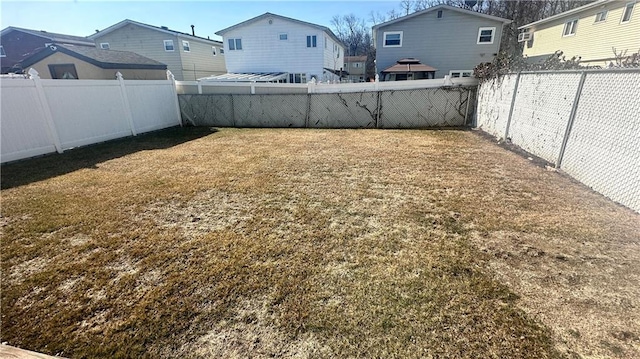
pixel 356 66
pixel 590 32
pixel 187 56
pixel 58 61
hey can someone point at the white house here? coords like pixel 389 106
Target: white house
pixel 289 50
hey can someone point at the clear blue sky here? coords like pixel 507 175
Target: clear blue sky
pixel 82 18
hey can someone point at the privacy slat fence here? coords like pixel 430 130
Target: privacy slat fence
pixel 587 123
pixel 447 106
pixel 44 116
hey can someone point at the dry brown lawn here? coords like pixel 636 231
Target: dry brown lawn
pixel 313 243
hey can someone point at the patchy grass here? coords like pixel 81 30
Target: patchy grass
pixel 313 243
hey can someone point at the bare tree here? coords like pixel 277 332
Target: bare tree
pixel 406 6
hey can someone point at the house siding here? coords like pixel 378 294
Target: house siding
pixel 19 45
pixel 448 43
pixel 593 42
pixel 199 62
pixel 87 71
pixel 263 51
pixel 145 42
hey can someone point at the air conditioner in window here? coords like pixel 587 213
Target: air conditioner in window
pixel 525 36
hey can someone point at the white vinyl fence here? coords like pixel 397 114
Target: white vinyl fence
pixel 44 116
pixel 204 87
pixel 587 123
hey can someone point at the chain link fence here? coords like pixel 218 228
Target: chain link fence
pixel 585 122
pixel 418 108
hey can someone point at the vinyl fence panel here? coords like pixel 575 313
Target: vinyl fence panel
pixel 152 104
pixel 42 116
pixel 86 111
pixel 24 129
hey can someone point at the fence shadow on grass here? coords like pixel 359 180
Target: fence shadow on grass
pixel 40 168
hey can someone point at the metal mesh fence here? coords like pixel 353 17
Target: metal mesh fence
pixel 542 107
pixel 270 110
pixel 343 110
pixel 437 107
pixel 420 108
pixel 494 103
pixel 603 148
pixel 207 110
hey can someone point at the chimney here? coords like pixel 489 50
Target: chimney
pixel 193 31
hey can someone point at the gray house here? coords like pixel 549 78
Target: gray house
pixel 187 56
pixel 445 39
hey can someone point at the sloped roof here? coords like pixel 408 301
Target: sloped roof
pixel 247 77
pixel 409 65
pixel 163 29
pixel 444 7
pixel 355 58
pixel 572 12
pixel 106 59
pixel 52 36
pixel 267 15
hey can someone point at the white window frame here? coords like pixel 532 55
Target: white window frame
pixel 493 35
pixel 601 16
pixel 630 6
pixel 214 50
pixel 105 46
pixel 236 41
pixel 222 50
pixel 570 25
pixel 387 33
pixel 283 36
pixel 460 73
pixel 185 46
pixel 169 42
pixel 2 52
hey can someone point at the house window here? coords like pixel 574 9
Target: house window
pixel 235 44
pixel 185 46
pixel 485 35
pixel 626 15
pixel 356 65
pixel 392 39
pixel 104 45
pixel 439 14
pixel 601 16
pixel 570 28
pixel 2 53
pixel 63 71
pixel 312 41
pixel 283 37
pixel 326 41
pixel 214 51
pixel 460 73
pixel 221 51
pixel 168 45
